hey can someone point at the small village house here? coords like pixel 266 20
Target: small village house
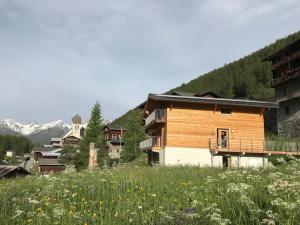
pixel 56 142
pixel 47 165
pixel 205 130
pixel 9 171
pixel 44 152
pixel 286 81
pixel 113 136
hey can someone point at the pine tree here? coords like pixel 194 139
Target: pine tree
pixel 93 134
pixel 133 136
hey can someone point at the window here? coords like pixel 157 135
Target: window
pixel 225 111
pixel 287 110
pixel 114 136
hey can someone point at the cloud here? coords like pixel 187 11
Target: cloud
pixel 59 56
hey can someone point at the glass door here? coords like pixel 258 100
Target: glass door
pixel 222 139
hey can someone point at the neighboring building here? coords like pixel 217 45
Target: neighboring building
pixel 39 152
pixel 12 171
pixel 286 81
pixel 10 153
pixel 56 142
pixel 47 165
pixel 205 131
pixel 113 137
pixel 74 136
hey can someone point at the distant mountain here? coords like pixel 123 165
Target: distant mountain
pixel 37 133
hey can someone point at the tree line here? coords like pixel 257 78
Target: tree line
pixel 18 144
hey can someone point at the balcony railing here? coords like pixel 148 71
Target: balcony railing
pixel 157 116
pixel 149 143
pixel 286 76
pixel 255 146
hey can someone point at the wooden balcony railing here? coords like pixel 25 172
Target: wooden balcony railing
pixel 256 146
pixel 151 143
pixel 157 116
pixel 286 76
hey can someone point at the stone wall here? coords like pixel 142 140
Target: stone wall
pixel 289 124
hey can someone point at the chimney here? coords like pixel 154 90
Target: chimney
pixel 92 156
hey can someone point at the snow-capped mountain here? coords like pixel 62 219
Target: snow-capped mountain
pixel 38 133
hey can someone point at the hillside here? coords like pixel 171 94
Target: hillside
pixel 245 78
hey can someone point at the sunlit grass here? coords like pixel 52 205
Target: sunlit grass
pixel 145 195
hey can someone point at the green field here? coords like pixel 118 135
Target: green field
pixel 155 195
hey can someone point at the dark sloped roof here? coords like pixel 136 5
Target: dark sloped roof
pixel 295 44
pixel 114 127
pixel 204 93
pixel 5 170
pixel 182 93
pixel 219 101
pixel 42 149
pixel 49 162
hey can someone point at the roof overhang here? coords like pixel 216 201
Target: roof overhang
pixel 212 101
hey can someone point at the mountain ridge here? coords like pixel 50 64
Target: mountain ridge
pixel 37 133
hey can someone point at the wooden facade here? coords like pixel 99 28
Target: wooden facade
pixel 113 133
pixel 198 126
pixel 224 126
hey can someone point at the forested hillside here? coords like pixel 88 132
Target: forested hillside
pixel 246 78
pixel 18 144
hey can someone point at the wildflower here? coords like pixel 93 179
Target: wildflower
pixel 140 207
pixel 18 213
pixel 33 201
pixel 73 195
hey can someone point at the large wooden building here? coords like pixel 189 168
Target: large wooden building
pixel 205 131
pixel 286 81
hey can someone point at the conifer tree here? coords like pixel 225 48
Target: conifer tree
pixel 93 134
pixel 133 136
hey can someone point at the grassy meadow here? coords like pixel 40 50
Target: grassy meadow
pixel 155 195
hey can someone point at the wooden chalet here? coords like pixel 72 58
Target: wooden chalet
pixel 47 165
pixel 113 136
pixel 44 152
pixel 205 131
pixel 286 81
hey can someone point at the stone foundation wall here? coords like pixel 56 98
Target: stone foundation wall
pixel 289 124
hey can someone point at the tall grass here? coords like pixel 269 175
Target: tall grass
pixel 158 195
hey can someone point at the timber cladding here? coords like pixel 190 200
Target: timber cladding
pixel 193 125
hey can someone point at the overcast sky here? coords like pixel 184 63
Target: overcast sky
pixel 57 57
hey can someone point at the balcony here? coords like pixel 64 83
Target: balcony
pixel 248 146
pixel 289 75
pixel 156 117
pixel 151 143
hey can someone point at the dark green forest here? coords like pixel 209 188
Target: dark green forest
pixel 246 78
pixel 18 144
